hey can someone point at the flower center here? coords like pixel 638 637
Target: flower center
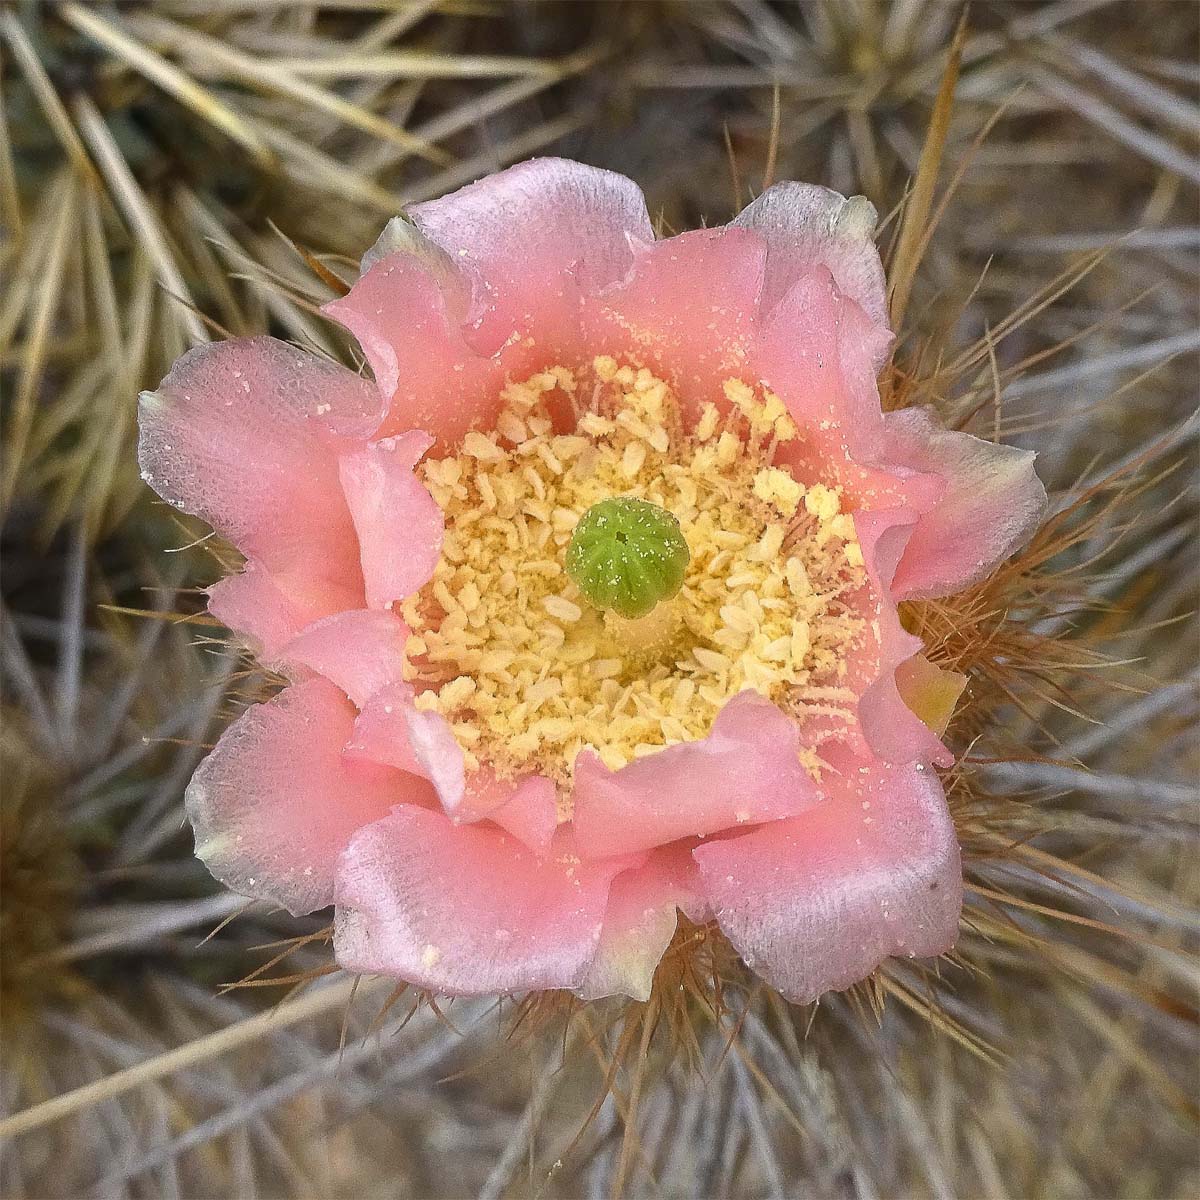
pixel 523 641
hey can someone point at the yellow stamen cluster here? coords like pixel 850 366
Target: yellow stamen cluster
pixel 527 673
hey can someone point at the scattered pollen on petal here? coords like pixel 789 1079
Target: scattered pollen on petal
pixel 529 673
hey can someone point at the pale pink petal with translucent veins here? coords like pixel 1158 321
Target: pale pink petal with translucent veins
pixel 816 903
pixel 688 310
pixel 818 351
pixel 244 434
pixel 381 730
pixel 745 772
pixel 805 225
pixel 640 921
pixel 993 503
pixel 275 802
pixel 532 240
pixel 401 236
pixel 466 909
pixel 359 650
pixel 438 755
pixel 398 523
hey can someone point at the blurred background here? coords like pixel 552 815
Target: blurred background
pixel 168 171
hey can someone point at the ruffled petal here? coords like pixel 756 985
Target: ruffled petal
pixel 398 522
pixel 818 352
pixel 891 729
pixel 270 608
pixel 403 315
pixel 640 922
pixel 805 225
pixel 275 802
pixel 533 239
pixel 380 732
pixel 688 310
pixel 745 772
pixel 992 504
pixel 391 730
pixel 438 755
pixel 466 909
pixel 243 434
pixel 361 651
pixel 816 903
pixel 401 236
pixel 527 808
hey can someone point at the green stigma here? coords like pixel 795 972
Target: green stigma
pixel 627 555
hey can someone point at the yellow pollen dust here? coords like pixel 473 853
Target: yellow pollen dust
pixel 528 674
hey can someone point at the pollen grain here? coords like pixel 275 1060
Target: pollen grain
pixel 527 673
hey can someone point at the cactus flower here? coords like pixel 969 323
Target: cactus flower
pixel 587 596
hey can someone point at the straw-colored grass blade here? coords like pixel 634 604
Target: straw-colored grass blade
pixel 138 212
pixel 919 204
pixel 280 77
pixel 167 76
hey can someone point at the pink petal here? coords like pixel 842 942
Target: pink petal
pixel 688 310
pixel 745 772
pixel 806 225
pixel 532 239
pixel 816 903
pixel 527 808
pixel 361 651
pixel 401 236
pixel 818 352
pixel 271 608
pixel 242 433
pixel 892 730
pixel 992 504
pixel 465 909
pixel 274 804
pixel 438 756
pixel 398 522
pixel 381 730
pixel 640 922
pixel 391 730
pixel 431 378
